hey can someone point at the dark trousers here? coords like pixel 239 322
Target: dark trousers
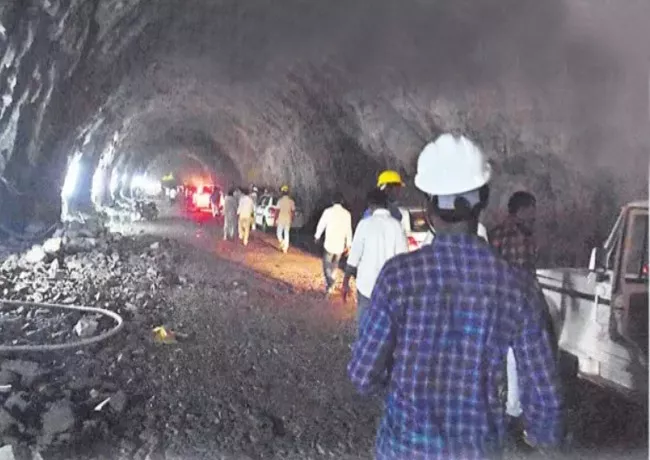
pixel 363 303
pixel 330 264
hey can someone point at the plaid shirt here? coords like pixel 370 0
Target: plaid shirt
pixel 435 337
pixel 514 245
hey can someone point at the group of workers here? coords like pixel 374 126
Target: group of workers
pixel 239 212
pixel 443 329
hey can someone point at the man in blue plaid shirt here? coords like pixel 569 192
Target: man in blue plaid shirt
pixel 439 325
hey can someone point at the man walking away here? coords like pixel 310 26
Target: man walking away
pixel 229 215
pixel 286 210
pixel 245 213
pixel 391 183
pixel 376 239
pixel 439 325
pixel 336 222
pixel 515 241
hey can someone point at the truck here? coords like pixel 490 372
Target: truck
pixel 600 313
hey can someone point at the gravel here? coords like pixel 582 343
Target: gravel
pixel 256 370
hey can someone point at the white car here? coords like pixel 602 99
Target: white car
pixel 418 232
pixel 266 213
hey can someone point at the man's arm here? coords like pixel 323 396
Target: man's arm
pixel 348 232
pixel 322 224
pixel 354 257
pixel 369 368
pixel 541 394
pixel 356 251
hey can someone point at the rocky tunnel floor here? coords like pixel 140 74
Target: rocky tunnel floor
pixel 256 370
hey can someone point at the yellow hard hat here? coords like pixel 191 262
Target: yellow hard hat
pixel 284 188
pixel 389 177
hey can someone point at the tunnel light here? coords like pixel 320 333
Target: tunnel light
pixel 146 184
pixel 97 185
pixel 114 183
pixel 71 177
pixel 137 181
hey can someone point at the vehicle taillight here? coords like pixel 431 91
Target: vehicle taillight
pixel 413 244
pixel 644 270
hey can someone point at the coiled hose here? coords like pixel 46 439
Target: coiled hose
pixel 63 346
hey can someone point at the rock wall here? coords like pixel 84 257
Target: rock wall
pixel 318 98
pixel 58 61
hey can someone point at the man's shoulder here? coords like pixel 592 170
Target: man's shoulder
pixel 413 262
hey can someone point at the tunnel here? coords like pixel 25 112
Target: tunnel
pixel 322 96
pixel 174 338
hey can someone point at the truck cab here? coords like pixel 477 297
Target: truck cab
pixel 600 312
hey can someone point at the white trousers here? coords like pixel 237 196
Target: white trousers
pixel 513 405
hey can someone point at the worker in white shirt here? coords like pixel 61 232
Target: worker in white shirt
pixel 336 222
pixel 245 212
pixel 377 239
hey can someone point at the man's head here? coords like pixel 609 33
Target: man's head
pixel 337 198
pixel 454 174
pixel 376 199
pixel 284 190
pixel 522 205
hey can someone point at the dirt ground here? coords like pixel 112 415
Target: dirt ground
pixel 263 374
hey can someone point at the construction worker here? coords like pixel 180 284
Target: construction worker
pixel 514 240
pixel 376 240
pixel 245 213
pixel 286 210
pixel 391 183
pixel 336 223
pixel 435 336
pixel 254 196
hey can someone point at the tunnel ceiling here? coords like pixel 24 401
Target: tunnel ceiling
pixel 318 94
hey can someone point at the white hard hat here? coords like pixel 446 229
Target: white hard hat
pixel 452 166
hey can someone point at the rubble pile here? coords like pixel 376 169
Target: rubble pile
pixel 56 400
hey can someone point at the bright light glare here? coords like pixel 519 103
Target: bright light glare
pixel 114 183
pixel 137 181
pixel 146 184
pixel 97 185
pixel 71 177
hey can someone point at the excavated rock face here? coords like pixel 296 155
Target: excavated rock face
pixel 318 95
pixel 55 70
